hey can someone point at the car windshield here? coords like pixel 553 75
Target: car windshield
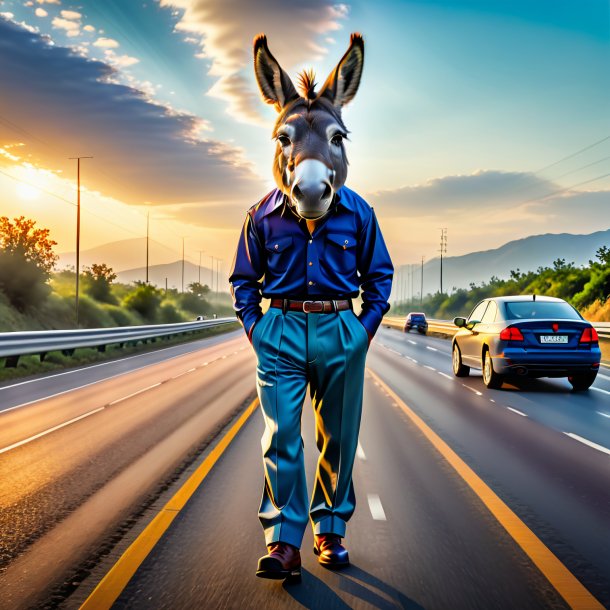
pixel 526 310
pixel 418 316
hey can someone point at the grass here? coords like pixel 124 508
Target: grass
pixel 30 365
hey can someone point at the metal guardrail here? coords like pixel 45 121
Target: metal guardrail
pixel 16 344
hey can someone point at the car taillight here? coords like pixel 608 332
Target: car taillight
pixel 589 335
pixel 512 333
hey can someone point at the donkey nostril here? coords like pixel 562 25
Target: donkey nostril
pixel 296 192
pixel 327 191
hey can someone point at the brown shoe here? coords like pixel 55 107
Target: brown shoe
pixel 282 561
pixel 331 553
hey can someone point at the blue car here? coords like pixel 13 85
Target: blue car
pixel 526 336
pixel 416 320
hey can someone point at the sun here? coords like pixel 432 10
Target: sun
pixel 27 192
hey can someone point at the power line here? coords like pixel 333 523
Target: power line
pixel 567 188
pixel 578 152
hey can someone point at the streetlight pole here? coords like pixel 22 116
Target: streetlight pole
pixel 182 265
pixel 78 232
pixel 147 238
pixel 443 250
pixel 421 292
pixel 200 253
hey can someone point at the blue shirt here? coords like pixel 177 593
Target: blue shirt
pixel 277 257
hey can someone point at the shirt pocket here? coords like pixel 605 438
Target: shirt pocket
pixel 279 253
pixel 340 252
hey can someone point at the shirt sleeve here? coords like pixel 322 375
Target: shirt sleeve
pixel 246 276
pixel 376 272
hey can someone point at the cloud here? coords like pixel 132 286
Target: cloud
pixel 62 105
pixel 72 27
pixel 89 28
pixel 106 43
pixel 48 1
pixel 70 15
pixel 40 12
pixel 120 61
pixel 226 30
pixel 482 190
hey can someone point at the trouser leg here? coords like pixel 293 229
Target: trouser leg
pixel 281 387
pixel 336 384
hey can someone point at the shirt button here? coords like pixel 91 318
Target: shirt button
pixel 311 283
pixel 310 263
pixel 276 246
pixel 311 241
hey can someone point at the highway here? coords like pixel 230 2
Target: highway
pixel 423 535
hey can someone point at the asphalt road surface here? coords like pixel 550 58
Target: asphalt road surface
pixel 420 537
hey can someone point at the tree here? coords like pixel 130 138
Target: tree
pixel 26 261
pixel 201 290
pixel 145 299
pixel 98 279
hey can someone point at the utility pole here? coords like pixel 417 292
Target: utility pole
pixel 218 261
pixel 147 237
pixel 78 232
pixel 421 292
pixel 200 253
pixel 182 265
pixel 212 275
pixel 443 250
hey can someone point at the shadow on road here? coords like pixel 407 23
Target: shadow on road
pixel 314 594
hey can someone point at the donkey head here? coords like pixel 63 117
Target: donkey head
pixel 310 164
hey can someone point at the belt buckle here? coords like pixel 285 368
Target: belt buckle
pixel 306 307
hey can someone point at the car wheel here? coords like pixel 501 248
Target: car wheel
pixel 582 382
pixel 490 378
pixel 459 369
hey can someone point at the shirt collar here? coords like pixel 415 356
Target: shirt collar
pixel 276 199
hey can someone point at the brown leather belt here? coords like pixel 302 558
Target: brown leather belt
pixel 312 306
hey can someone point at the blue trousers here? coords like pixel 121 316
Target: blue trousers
pixel 326 351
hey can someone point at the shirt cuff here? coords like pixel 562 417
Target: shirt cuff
pixel 371 321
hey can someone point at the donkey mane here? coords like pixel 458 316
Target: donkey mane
pixel 307 84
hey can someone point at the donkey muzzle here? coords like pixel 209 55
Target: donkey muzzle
pixel 312 190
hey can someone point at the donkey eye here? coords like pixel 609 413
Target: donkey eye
pixel 337 139
pixel 284 140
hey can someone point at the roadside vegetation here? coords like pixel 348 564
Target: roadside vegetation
pixel 35 296
pixel 587 288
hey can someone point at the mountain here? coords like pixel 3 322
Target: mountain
pixel 524 254
pixel 173 273
pixel 121 255
pixel 128 259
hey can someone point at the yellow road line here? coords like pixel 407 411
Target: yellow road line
pixel 566 584
pixel 111 586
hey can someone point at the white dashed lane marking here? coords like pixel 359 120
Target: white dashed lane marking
pixel 150 387
pixel 432 349
pixel 517 411
pixel 376 507
pixel 446 376
pixel 472 390
pixel 412 342
pixel 92 412
pixel 603 414
pixel 586 441
pixel 600 390
pixel 67 423
pixel 429 367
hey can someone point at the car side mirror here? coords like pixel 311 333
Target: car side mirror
pixel 460 322
pixel 472 324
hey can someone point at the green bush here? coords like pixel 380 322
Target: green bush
pixel 145 299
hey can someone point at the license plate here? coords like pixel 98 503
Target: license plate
pixel 553 338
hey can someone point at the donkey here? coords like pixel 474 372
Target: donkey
pixel 310 163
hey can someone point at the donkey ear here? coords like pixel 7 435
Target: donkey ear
pixel 274 83
pixel 342 83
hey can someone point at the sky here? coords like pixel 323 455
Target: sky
pixel 488 117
